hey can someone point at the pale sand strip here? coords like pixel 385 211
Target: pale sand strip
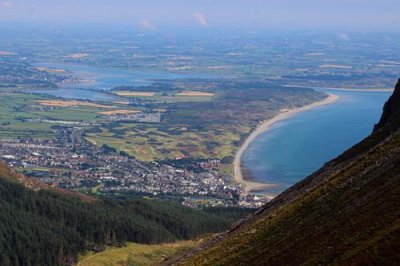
pixel 343 89
pixel 255 186
pixel 363 90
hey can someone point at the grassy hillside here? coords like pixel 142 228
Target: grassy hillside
pixel 347 213
pixel 137 254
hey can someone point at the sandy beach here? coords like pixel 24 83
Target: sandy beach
pixel 363 90
pixel 255 186
pixel 343 89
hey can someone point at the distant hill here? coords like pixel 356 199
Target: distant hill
pixel 347 213
pixel 40 225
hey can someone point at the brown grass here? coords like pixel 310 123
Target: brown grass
pixel 61 103
pixel 119 112
pixel 195 94
pixel 136 93
pixel 123 103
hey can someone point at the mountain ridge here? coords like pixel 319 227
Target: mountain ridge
pixel 391 108
pixel 345 213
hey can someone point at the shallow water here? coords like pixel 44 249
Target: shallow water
pixel 106 78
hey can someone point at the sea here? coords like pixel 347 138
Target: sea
pixel 295 147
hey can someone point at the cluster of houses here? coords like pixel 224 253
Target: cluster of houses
pixel 69 161
pixel 18 73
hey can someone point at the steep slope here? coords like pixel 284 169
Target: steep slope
pixel 347 213
pixel 43 226
pixel 391 108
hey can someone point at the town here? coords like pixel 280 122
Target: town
pixel 69 161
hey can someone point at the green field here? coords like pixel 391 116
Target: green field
pixel 16 109
pixel 151 142
pixel 137 254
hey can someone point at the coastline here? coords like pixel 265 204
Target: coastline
pixel 343 89
pixel 363 90
pixel 265 126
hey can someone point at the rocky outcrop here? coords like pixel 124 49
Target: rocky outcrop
pixel 391 108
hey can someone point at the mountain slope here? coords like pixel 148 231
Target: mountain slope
pixel 11 176
pixel 43 226
pixel 347 213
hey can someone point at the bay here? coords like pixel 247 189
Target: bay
pixel 296 147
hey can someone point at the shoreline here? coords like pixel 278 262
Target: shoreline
pixel 263 127
pixel 342 89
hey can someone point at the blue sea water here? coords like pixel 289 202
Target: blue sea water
pixel 296 147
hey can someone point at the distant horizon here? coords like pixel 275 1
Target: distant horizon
pixel 126 27
pixel 205 15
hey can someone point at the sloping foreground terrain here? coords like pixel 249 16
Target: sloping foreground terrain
pixel 134 254
pixel 44 226
pixel 347 213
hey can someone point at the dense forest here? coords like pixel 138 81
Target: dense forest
pixel 48 228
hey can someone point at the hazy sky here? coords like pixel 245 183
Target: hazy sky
pixel 155 15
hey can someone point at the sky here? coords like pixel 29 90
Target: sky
pixel 154 15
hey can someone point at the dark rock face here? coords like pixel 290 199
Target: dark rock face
pixel 391 108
